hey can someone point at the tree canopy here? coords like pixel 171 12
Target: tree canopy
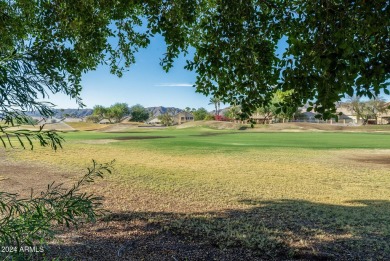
pixel 115 113
pixel 334 48
pixel 200 114
pixel 139 113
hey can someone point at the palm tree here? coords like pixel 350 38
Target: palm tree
pixel 217 103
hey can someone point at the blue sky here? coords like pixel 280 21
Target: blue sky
pixel 145 83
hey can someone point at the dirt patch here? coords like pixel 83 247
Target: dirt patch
pixel 374 159
pixel 142 137
pixel 21 177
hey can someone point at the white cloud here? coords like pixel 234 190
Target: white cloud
pixel 174 85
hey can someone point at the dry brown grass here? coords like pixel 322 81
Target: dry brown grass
pixel 219 181
pixel 86 126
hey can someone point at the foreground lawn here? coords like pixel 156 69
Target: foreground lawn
pixel 275 195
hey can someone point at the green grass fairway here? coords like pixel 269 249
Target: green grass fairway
pixel 208 139
pixel 308 195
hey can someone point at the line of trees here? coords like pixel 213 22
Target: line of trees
pixel 118 112
pixel 364 110
pixel 137 113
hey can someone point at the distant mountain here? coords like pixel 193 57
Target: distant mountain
pixel 156 111
pixel 62 113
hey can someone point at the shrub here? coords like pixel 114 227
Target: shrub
pixel 200 114
pixel 25 222
pixel 221 118
pixel 166 119
pixel 209 117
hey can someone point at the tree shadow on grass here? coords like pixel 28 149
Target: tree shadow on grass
pixel 265 230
